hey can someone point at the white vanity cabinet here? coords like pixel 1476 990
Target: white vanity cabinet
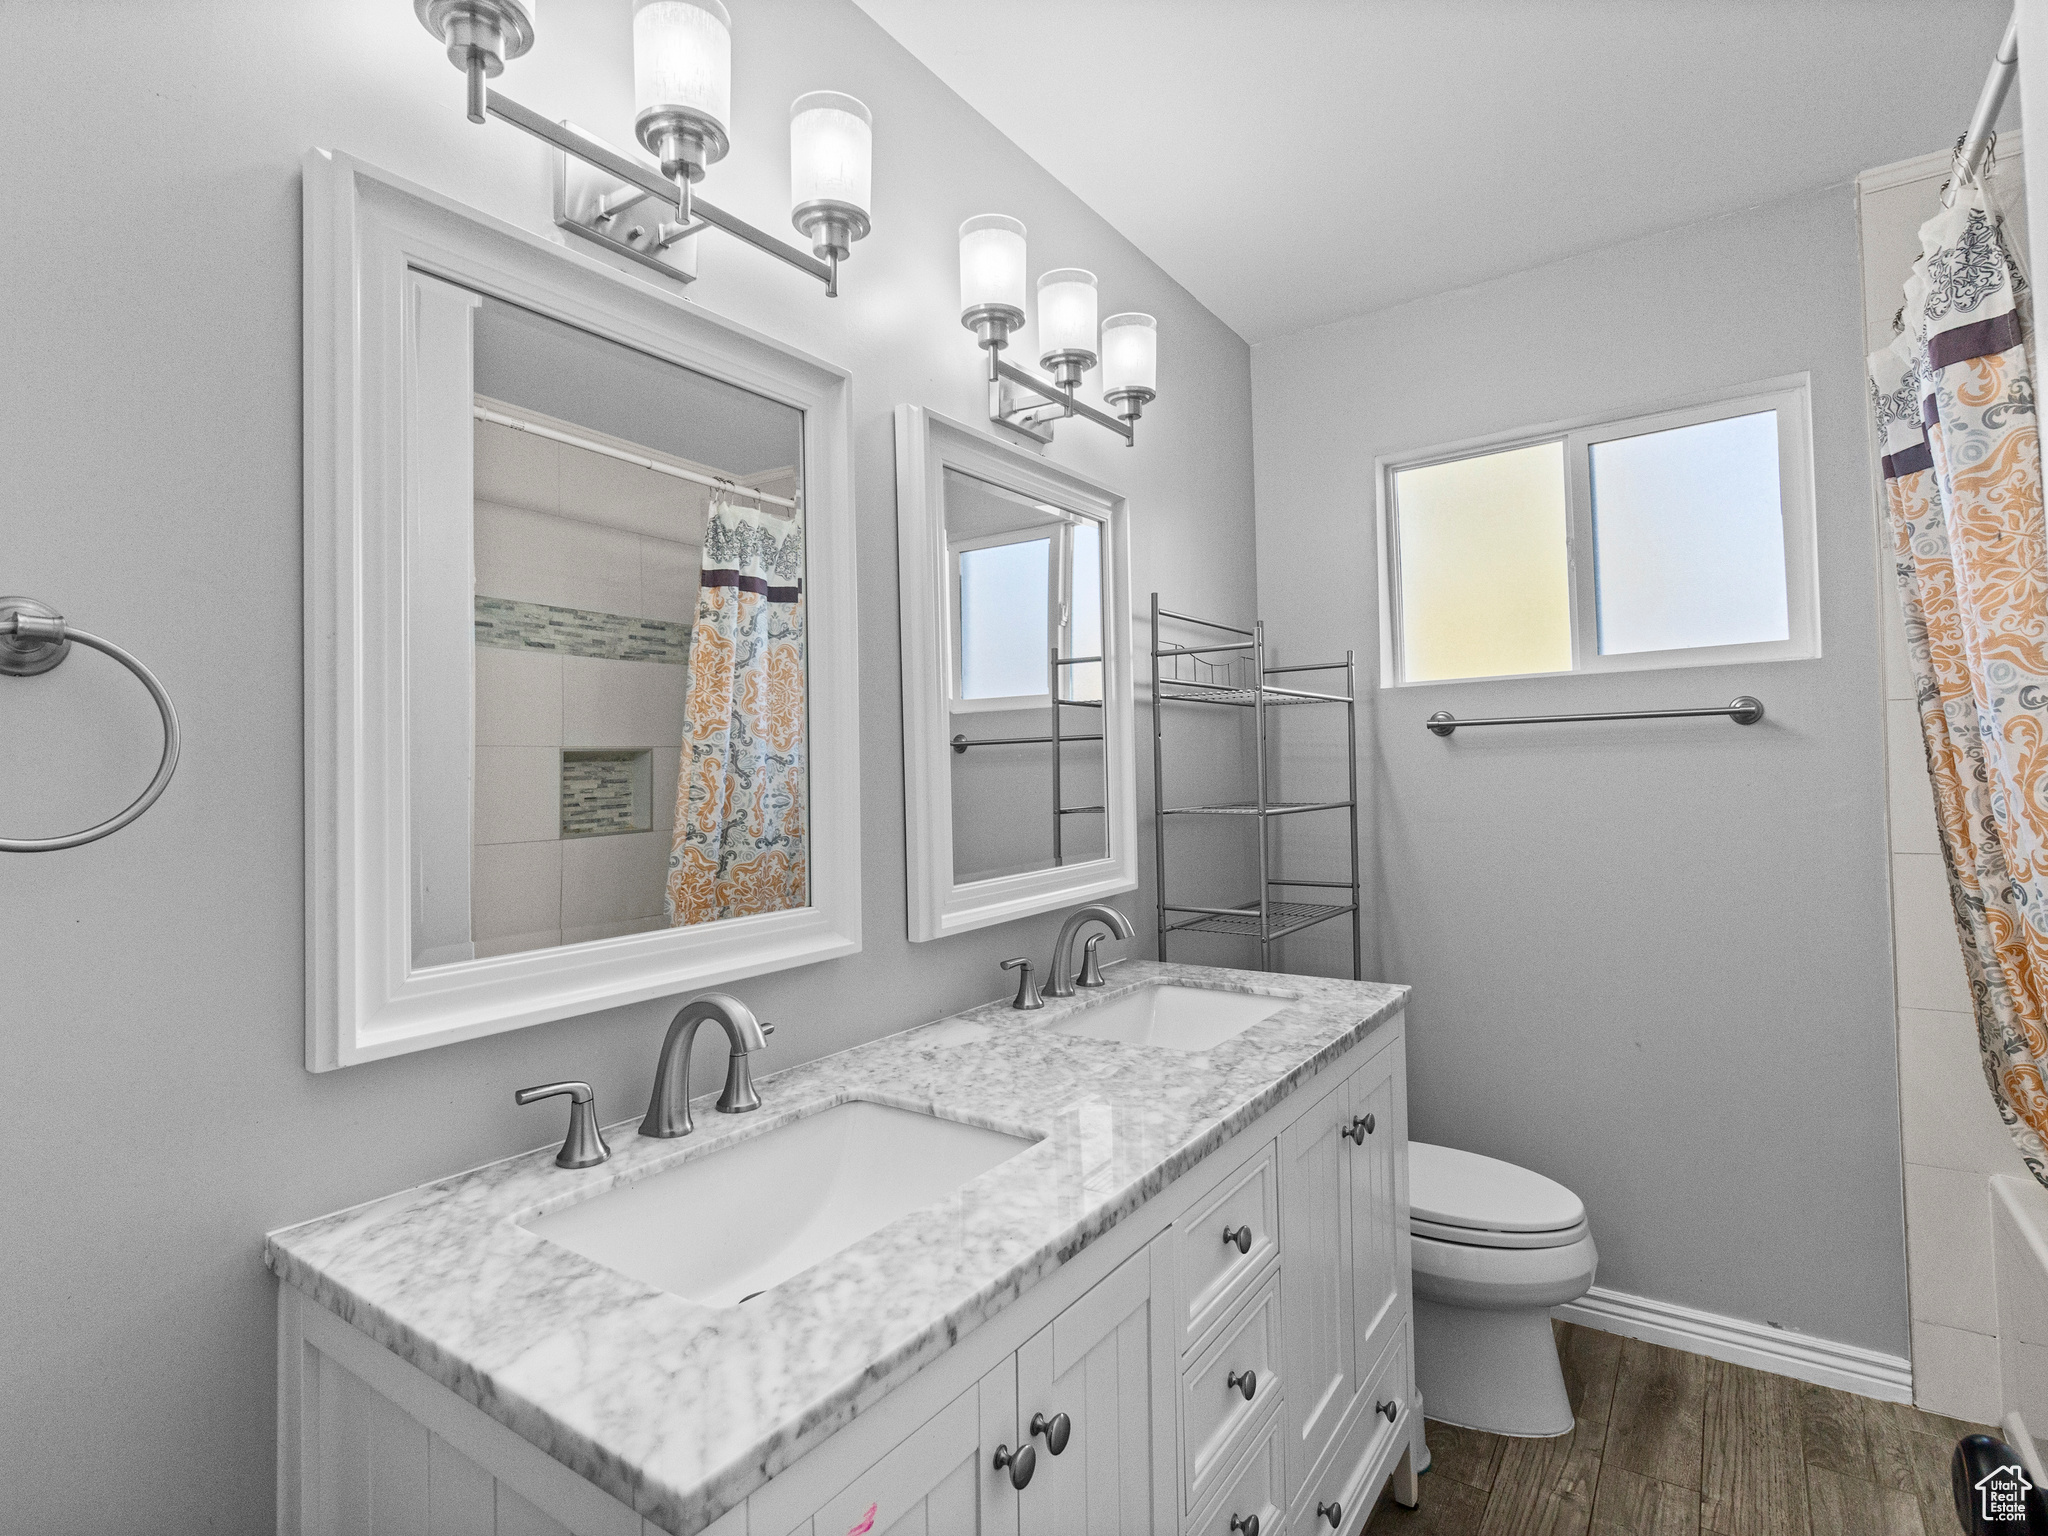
pixel 1237 1349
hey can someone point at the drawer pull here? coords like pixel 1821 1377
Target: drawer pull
pixel 1241 1239
pixel 1055 1429
pixel 1391 1410
pixel 1249 1524
pixel 1246 1382
pixel 1332 1512
pixel 1361 1126
pixel 1022 1462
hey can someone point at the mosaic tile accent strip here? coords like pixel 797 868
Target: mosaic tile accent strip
pixel 506 625
pixel 604 793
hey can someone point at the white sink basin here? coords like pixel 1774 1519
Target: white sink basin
pixel 1177 1018
pixel 723 1228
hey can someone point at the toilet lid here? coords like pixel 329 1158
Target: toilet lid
pixel 1450 1188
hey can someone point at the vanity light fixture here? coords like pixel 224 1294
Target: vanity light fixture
pixel 992 306
pixel 682 95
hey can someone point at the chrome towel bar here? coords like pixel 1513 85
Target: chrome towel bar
pixel 34 639
pixel 1743 710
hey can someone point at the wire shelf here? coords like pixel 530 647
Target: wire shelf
pixel 1283 916
pixel 1253 808
pixel 1243 698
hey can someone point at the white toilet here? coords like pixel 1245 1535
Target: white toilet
pixel 1495 1248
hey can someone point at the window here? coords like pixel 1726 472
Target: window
pixel 1017 590
pixel 1680 539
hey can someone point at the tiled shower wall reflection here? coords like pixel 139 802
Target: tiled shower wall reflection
pixel 559 601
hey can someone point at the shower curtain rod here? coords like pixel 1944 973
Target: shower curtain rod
pixel 499 418
pixel 1997 85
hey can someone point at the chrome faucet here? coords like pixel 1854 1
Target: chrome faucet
pixel 668 1109
pixel 1060 983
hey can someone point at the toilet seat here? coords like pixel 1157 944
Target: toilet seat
pixel 1466 1199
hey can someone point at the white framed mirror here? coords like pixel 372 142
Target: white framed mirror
pixel 1018 718
pixel 580 633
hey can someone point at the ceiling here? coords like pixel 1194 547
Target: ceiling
pixel 1291 162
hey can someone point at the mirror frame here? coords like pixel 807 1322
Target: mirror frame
pixel 365 230
pixel 927 445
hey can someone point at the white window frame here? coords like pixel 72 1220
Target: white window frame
pixel 1059 606
pixel 1789 396
pixel 1055 535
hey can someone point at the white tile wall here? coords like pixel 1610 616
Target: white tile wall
pixel 532 557
pixel 1925 948
pixel 613 879
pixel 518 794
pixel 1911 794
pixel 622 703
pixel 1949 1119
pixel 516 888
pixel 518 698
pixel 1949 1263
pixel 1955 1372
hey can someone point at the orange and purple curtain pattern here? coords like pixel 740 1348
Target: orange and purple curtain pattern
pixel 741 844
pixel 1954 397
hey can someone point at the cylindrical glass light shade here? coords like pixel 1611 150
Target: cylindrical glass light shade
pixel 1066 314
pixel 682 59
pixel 992 265
pixel 1130 356
pixel 831 170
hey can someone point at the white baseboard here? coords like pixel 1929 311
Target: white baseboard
pixel 1739 1342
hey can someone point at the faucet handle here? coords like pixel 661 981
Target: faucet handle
pixel 1091 962
pixel 1027 989
pixel 584 1146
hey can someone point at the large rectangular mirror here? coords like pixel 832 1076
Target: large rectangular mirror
pixel 593 549
pixel 1016 672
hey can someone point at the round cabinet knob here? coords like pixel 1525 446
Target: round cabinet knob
pixel 1055 1429
pixel 1022 1462
pixel 1391 1410
pixel 1333 1512
pixel 1355 1131
pixel 1241 1239
pixel 1248 1524
pixel 1246 1382
pixel 1369 1126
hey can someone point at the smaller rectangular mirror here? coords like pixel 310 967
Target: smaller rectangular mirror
pixel 1018 714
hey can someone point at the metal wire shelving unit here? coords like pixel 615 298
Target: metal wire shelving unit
pixel 1240 679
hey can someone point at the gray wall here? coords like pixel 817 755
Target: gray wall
pixel 1651 960
pixel 160 1119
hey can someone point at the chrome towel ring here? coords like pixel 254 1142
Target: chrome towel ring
pixel 34 638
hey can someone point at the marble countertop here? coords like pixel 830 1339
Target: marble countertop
pixel 611 1376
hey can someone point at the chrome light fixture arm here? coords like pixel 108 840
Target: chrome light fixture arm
pixel 690 208
pixel 1050 403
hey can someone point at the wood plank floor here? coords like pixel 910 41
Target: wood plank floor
pixel 1672 1444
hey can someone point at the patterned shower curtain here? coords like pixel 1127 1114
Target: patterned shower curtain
pixel 1954 397
pixel 740 841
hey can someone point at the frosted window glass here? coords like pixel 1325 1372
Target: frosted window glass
pixel 1084 628
pixel 1689 537
pixel 1003 641
pixel 1485 584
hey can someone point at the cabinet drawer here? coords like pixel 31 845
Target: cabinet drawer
pixel 1348 1480
pixel 1217 1419
pixel 1253 1492
pixel 1211 1271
